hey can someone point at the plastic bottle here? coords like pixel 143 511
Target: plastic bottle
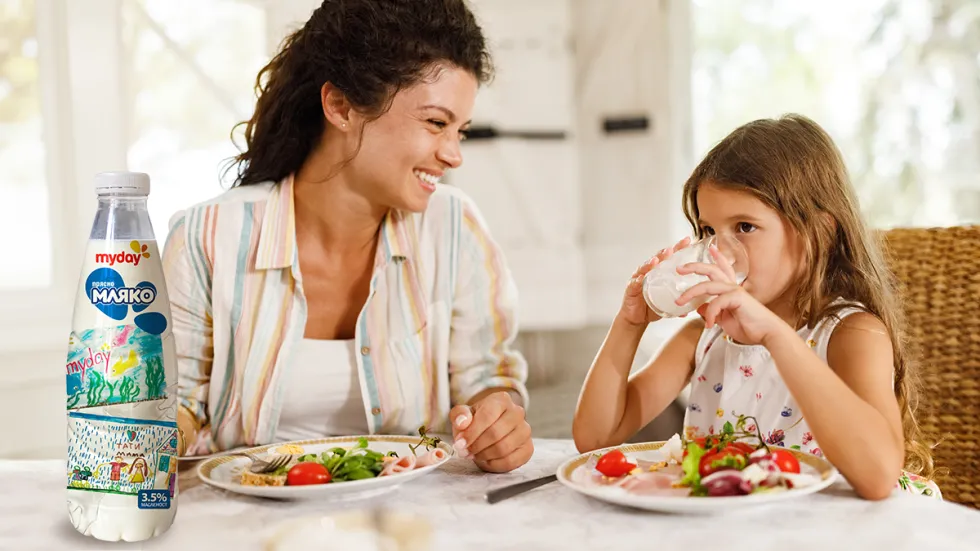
pixel 121 375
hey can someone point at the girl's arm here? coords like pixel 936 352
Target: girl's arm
pixel 850 407
pixel 613 406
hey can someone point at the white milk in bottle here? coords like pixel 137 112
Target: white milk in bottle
pixel 121 375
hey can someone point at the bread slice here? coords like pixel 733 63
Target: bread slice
pixel 249 478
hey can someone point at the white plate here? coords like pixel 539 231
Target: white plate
pixel 355 530
pixel 222 472
pixel 809 464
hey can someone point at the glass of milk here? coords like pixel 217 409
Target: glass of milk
pixel 662 285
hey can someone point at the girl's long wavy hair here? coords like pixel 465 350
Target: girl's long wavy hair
pixel 793 166
pixel 369 50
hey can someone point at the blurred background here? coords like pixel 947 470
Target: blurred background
pixel 611 103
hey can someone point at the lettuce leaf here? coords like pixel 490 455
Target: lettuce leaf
pixel 690 465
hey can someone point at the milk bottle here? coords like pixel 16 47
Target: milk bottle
pixel 121 375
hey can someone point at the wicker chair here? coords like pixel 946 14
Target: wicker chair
pixel 939 273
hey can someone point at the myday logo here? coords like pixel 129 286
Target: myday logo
pixel 124 257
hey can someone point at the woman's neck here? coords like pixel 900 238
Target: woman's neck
pixel 329 208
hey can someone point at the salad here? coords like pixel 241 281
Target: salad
pixel 339 464
pixel 733 463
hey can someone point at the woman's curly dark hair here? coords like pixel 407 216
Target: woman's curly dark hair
pixel 369 50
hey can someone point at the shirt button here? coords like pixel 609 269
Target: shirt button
pixel 365 351
pixel 376 411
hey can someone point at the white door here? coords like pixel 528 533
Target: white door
pixel 520 165
pixel 632 99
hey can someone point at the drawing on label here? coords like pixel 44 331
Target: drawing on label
pixel 121 456
pixel 114 365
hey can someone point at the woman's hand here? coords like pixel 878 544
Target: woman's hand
pixel 493 433
pixel 634 309
pixel 743 318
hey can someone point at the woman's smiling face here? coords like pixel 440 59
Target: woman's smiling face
pixel 404 152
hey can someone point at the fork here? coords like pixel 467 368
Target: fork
pixel 260 466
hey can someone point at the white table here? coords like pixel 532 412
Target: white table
pixel 33 515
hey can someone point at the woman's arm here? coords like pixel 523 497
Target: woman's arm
pixel 487 376
pixel 482 358
pixel 613 406
pixel 851 407
pixel 187 273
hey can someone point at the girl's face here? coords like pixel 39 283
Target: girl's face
pixel 775 250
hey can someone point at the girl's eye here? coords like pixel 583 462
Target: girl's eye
pixel 745 227
pixel 437 123
pixel 707 230
pixel 463 134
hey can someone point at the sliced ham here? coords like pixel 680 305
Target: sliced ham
pixel 401 465
pixel 431 457
pixel 655 483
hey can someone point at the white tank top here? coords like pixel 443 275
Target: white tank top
pixel 732 379
pixel 322 396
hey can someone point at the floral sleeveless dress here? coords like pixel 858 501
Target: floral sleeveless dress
pixel 732 379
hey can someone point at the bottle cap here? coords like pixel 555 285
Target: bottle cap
pixel 122 183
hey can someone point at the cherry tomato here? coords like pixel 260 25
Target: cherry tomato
pixel 307 473
pixel 742 447
pixel 785 460
pixel 614 464
pixel 706 466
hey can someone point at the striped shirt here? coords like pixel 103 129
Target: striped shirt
pixel 437 327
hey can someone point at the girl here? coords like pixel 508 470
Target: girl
pixel 808 344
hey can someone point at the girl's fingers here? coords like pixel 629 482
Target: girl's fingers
pixel 711 271
pixel 638 270
pixel 635 286
pixel 664 254
pixel 717 306
pixel 709 288
pixel 633 282
pixel 723 262
pixel 681 244
pixel 647 266
pixel 703 309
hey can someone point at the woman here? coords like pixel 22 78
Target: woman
pixel 338 288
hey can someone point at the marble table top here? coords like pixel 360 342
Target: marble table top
pixel 33 515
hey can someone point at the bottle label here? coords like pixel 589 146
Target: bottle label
pixel 122 283
pixel 114 365
pixel 124 456
pixel 153 499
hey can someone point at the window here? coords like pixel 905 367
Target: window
pixel 895 82
pixel 24 210
pixel 145 85
pixel 189 80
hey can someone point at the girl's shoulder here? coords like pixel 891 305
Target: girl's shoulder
pixel 852 315
pixel 839 311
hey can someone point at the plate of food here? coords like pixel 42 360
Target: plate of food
pixel 706 475
pixel 363 530
pixel 328 468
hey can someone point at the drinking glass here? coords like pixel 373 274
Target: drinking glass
pixel 662 285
